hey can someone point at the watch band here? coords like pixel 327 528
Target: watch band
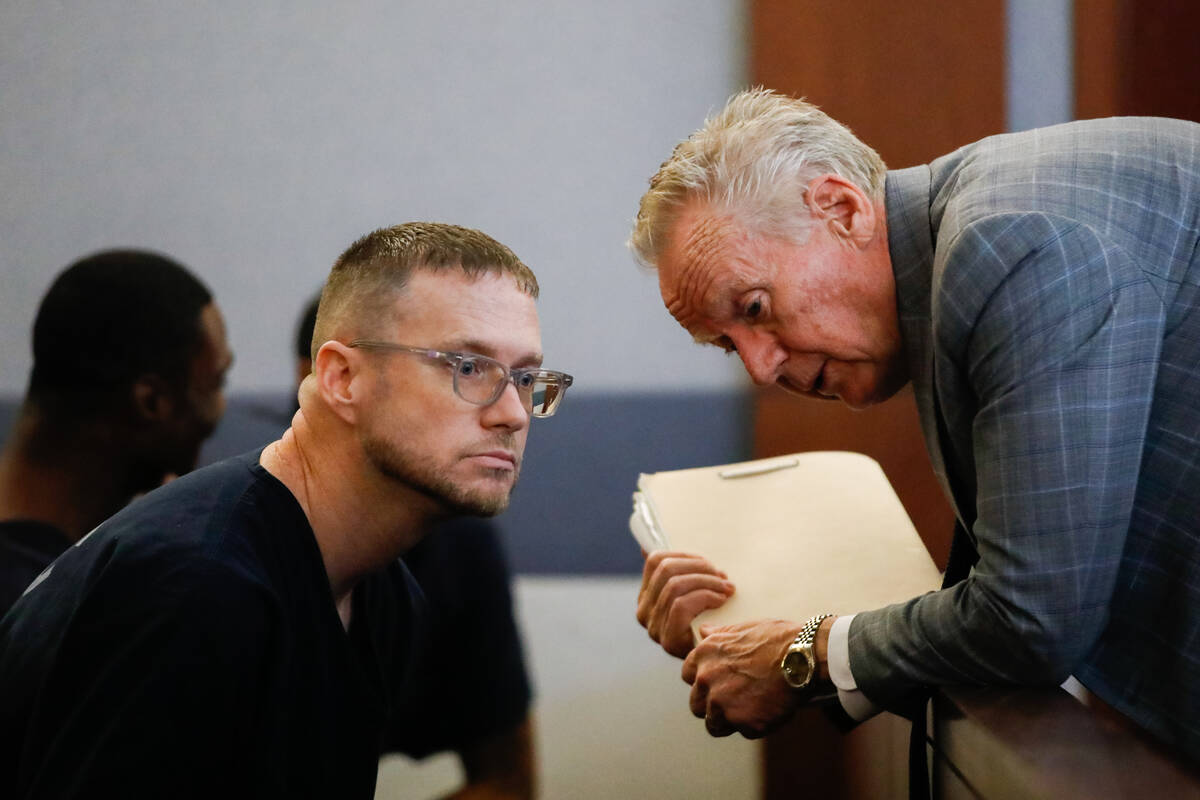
pixel 802 648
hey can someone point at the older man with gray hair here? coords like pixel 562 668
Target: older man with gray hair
pixel 1041 292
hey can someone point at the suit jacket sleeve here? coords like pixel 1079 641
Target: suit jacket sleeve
pixel 1046 340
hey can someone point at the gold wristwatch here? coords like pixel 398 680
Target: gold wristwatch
pixel 799 664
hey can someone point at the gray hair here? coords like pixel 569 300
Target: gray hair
pixel 367 278
pixel 753 161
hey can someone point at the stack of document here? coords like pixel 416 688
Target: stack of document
pixel 805 534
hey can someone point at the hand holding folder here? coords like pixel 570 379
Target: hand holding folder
pixel 803 534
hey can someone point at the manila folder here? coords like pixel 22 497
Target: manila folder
pixel 798 535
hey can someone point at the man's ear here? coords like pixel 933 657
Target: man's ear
pixel 152 399
pixel 335 370
pixel 845 208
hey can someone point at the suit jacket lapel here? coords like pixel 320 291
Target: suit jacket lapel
pixel 910 243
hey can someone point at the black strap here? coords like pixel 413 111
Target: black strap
pixel 958 565
pixel 918 764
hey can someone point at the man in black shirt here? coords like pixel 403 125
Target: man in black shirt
pixel 235 632
pixel 129 361
pixel 483 716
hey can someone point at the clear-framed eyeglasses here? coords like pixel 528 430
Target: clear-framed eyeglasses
pixel 481 380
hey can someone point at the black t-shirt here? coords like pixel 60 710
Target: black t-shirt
pixel 470 680
pixel 26 548
pixel 190 647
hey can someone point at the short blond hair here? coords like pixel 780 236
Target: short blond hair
pixel 752 162
pixel 366 279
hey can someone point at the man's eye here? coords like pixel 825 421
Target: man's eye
pixel 467 368
pixel 754 309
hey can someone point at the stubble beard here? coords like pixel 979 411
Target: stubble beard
pixel 423 475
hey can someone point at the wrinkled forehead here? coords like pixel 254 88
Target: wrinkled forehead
pixel 702 267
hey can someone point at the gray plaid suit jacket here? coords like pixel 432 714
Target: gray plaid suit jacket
pixel 1048 284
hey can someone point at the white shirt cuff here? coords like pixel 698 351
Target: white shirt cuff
pixel 854 702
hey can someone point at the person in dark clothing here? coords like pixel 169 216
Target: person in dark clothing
pixel 129 365
pixel 482 716
pixel 237 632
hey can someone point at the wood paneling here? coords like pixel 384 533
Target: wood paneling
pixel 1042 743
pixel 1137 57
pixel 916 80
pixel 1099 54
pixel 913 79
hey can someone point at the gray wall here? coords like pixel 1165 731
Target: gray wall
pixel 255 141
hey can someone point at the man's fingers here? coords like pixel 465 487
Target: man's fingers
pixel 662 565
pixel 656 558
pixel 687 589
pixel 698 699
pixel 675 634
pixel 712 713
pixel 675 588
pixel 688 673
pixel 734 674
pixel 653 607
pixel 715 722
pixel 674 583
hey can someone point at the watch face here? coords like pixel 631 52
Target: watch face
pixel 797 668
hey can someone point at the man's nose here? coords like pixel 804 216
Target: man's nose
pixel 761 355
pixel 508 411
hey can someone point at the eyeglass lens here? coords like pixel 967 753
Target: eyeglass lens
pixel 482 380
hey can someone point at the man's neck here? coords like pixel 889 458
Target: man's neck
pixel 361 520
pixel 73 485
